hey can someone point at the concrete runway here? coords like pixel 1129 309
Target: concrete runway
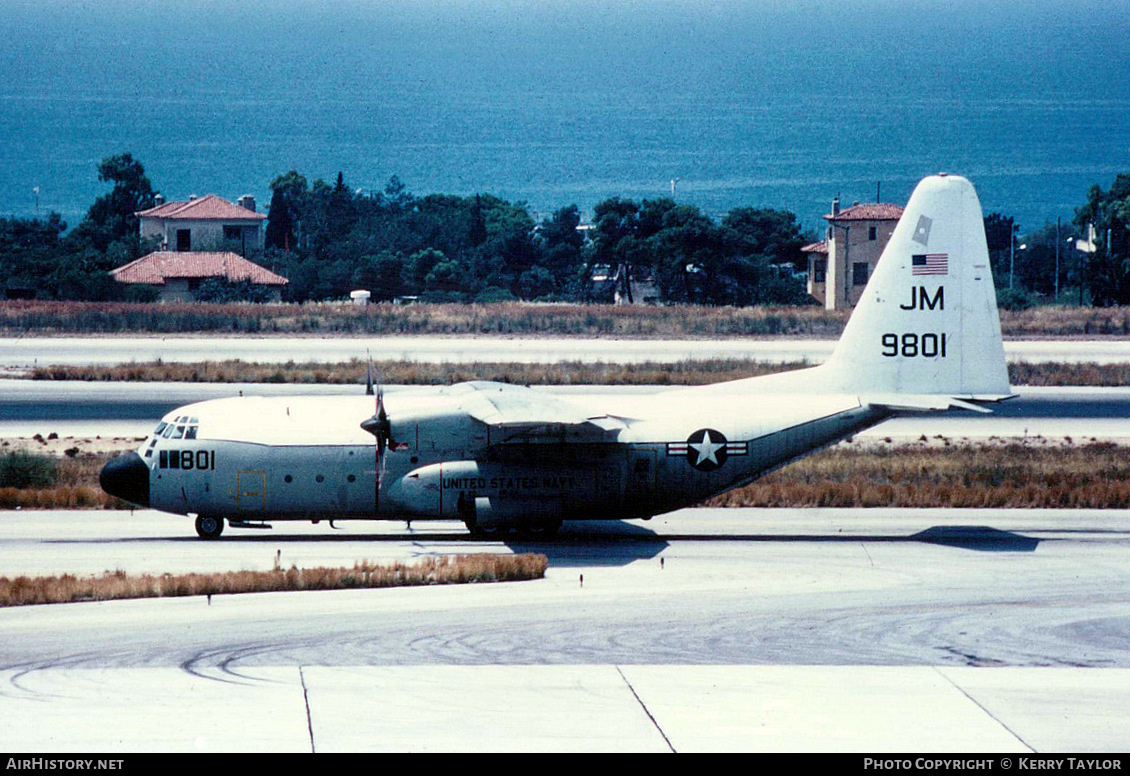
pixel 25 352
pixel 856 630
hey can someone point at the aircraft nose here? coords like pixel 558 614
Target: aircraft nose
pixel 126 477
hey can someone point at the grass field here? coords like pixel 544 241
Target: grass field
pixel 685 372
pixel 526 319
pixel 931 473
pixel 116 585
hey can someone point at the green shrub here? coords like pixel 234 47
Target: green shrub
pixel 26 470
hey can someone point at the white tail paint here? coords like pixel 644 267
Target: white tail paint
pixel 925 334
pixel 927 321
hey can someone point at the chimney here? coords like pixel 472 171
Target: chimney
pixel 191 197
pixel 158 200
pixel 836 206
pixel 247 202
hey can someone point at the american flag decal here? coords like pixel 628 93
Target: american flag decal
pixel 929 264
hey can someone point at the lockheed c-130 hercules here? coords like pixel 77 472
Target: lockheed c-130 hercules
pixel 924 337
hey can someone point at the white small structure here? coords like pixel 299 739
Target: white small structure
pixel 360 297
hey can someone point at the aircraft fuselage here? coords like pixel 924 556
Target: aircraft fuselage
pixel 260 460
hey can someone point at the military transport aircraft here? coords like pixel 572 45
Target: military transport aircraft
pixel 925 336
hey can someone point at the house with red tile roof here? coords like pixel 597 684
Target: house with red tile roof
pixel 209 223
pixel 178 275
pixel 840 265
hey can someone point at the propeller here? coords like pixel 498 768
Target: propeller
pixel 379 425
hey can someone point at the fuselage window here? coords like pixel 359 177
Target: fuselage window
pixel 352 478
pixel 320 478
pixel 288 478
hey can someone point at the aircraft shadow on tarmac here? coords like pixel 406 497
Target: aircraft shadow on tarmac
pixel 977 537
pixel 616 543
pixel 592 543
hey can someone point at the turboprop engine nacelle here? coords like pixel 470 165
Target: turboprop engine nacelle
pixel 490 492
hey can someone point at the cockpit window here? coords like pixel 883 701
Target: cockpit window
pixel 179 433
pixel 190 432
pixel 168 431
pixel 160 427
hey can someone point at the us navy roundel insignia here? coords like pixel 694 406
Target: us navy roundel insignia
pixel 706 449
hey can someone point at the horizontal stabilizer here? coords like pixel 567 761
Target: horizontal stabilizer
pixel 925 403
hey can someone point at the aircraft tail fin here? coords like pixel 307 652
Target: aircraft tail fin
pixel 927 322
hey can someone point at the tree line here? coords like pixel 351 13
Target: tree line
pixel 1084 261
pixel 329 238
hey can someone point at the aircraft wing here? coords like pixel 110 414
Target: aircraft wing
pixel 515 414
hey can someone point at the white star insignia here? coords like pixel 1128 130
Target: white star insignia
pixel 707 449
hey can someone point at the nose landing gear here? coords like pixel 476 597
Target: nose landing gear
pixel 209 527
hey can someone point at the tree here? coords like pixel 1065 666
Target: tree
pixel 1000 234
pixel 30 252
pixel 111 218
pixel 774 234
pixel 561 246
pixel 288 194
pixel 1108 269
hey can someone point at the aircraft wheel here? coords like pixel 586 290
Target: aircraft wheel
pixel 209 527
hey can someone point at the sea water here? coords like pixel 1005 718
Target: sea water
pixel 722 104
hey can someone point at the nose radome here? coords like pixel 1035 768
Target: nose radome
pixel 126 477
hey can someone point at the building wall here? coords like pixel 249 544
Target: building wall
pixel 176 290
pixel 184 290
pixel 205 235
pixel 817 279
pixel 850 243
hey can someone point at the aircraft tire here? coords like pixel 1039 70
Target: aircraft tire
pixel 209 527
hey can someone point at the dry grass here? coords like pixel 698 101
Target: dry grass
pixel 1058 321
pixel 686 372
pixel 1031 474
pixel 512 318
pixel 418 373
pixel 443 570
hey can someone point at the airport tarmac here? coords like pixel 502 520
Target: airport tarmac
pixel 857 630
pixel 26 352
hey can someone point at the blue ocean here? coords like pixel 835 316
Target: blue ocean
pixel 553 102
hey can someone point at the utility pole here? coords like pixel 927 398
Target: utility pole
pixel 1011 252
pixel 1057 241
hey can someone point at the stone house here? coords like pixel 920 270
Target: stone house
pixel 178 275
pixel 840 265
pixel 209 224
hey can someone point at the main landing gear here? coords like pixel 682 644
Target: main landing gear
pixel 209 527
pixel 544 529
